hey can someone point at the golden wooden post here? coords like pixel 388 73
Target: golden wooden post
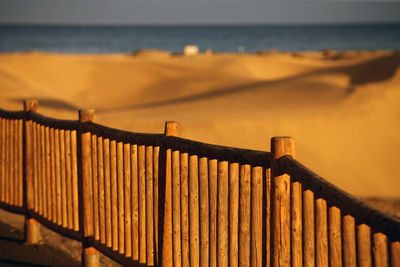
pixel 280 228
pixel 176 209
pixel 395 253
pixel 171 129
pixel 256 252
pixel 349 241
pixel 380 250
pixel 364 257
pixel 185 207
pixel 32 234
pixel 142 202
pixel 90 256
pixel 222 214
pixel 321 233
pixel 128 201
pixel 335 237
pixel 244 215
pixel 135 203
pixel 308 228
pixel 204 211
pixel 120 199
pixel 194 211
pixel 213 194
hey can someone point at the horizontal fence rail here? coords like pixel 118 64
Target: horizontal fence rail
pixel 157 199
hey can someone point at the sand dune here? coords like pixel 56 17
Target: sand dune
pixel 342 107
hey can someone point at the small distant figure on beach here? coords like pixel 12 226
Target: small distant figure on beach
pixel 190 50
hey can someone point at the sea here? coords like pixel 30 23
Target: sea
pixel 218 38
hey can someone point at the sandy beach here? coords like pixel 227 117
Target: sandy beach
pixel 341 107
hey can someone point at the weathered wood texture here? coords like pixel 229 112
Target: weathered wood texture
pixel 219 205
pixel 308 228
pixel 347 203
pixel 244 215
pixel 280 226
pixel 335 237
pixel 171 129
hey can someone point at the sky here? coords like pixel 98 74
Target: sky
pixel 145 12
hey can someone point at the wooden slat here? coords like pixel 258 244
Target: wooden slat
pixel 48 172
pixel 2 158
pixel 244 215
pixel 194 210
pixel 135 203
pixel 74 166
pixel 167 246
pixel 149 207
pixel 15 163
pixel 256 216
pixel 364 250
pixel 63 171
pixel 53 177
pixel 7 162
pixel 57 149
pixel 120 189
pixel 176 209
pixel 155 201
pixel 267 197
pixel 87 183
pixel 213 191
pixel 185 208
pixel 39 170
pixel 20 163
pixel 395 254
pixel 204 212
pixel 296 226
pixel 349 241
pixel 223 214
pixel 335 237
pixel 127 199
pixel 30 205
pixel 11 167
pixel 280 229
pixel 308 228
pixel 321 232
pixel 380 250
pixel 142 202
pixel 68 176
pixel 100 175
pixel 96 220
pixel 34 167
pixel 114 194
pixel 107 191
pixel 44 169
pixel 10 187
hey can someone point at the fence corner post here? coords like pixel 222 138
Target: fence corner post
pixel 171 129
pixel 31 229
pixel 90 256
pixel 280 224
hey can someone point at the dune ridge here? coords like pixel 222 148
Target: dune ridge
pixel 342 107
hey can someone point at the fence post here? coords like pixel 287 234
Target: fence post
pixel 32 234
pixel 280 225
pixel 171 129
pixel 90 256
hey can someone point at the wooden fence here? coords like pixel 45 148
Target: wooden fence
pixel 157 199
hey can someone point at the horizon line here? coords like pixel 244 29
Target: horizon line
pixel 365 23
